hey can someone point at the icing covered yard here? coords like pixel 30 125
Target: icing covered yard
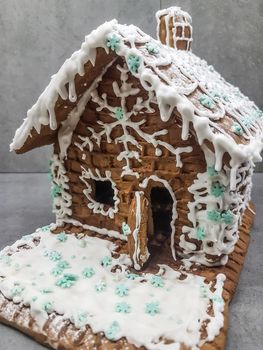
pixel 81 278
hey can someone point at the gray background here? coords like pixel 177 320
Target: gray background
pixel 38 35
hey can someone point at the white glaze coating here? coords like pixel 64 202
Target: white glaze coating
pixel 219 237
pixel 182 304
pixel 63 200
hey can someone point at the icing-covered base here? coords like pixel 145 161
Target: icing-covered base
pixel 82 279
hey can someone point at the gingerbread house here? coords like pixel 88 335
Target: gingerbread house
pixel 151 145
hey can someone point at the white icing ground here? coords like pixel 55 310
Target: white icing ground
pixel 64 274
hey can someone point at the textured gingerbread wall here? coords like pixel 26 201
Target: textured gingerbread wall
pixel 105 157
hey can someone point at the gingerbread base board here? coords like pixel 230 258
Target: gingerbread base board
pixel 62 334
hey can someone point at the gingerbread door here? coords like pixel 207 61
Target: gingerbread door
pixel 138 223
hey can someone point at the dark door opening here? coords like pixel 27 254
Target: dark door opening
pixel 162 211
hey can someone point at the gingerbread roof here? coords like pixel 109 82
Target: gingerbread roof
pixel 216 111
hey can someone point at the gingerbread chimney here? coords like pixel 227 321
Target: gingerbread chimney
pixel 174 28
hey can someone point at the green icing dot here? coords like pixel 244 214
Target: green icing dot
pixel 45 228
pixel 62 237
pixel 206 101
pixel 122 290
pixel 88 272
pixel 106 261
pixel 113 331
pixel 211 171
pixel 214 215
pixel 67 281
pixel 123 308
pixel 204 290
pixel 132 276
pixel 57 271
pixel 217 189
pixel 7 260
pixel 134 63
pixel 47 306
pixel 55 191
pixel 125 229
pixel 152 308
pixel 113 42
pixel 54 255
pixel 157 281
pixel 63 264
pixel 17 290
pixel 227 217
pixel 119 113
pixel 152 49
pixel 217 299
pixel 83 243
pixel 200 233
pixel 237 129
pixel 100 287
pixel 34 298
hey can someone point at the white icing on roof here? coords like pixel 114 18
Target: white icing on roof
pixel 179 79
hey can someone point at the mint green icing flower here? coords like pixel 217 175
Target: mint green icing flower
pixel 17 290
pixel 237 129
pixel 152 308
pixel 206 101
pixel 54 255
pixel 123 308
pixel 227 217
pixel 47 306
pixel 200 233
pixel 106 261
pixel 132 276
pixel 211 171
pixel 63 264
pixel 217 189
pixel 152 49
pixel 125 229
pixel 217 299
pixel 113 42
pixel 57 271
pixel 67 281
pixel 88 272
pixel 157 281
pixel 134 63
pixel 122 290
pixel 113 331
pixel 55 191
pixel 62 237
pixel 119 113
pixel 45 228
pixel 100 287
pixel 214 215
pixel 204 290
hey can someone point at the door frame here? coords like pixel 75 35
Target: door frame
pixel 156 179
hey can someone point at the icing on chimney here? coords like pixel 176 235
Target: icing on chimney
pixel 174 28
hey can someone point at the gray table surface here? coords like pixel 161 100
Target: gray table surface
pixel 25 204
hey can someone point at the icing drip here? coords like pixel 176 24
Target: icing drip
pixel 99 208
pixel 155 178
pixel 215 213
pixel 61 198
pixel 178 307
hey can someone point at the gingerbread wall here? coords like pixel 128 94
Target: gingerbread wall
pixel 105 157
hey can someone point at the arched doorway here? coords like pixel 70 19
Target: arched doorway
pixel 161 204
